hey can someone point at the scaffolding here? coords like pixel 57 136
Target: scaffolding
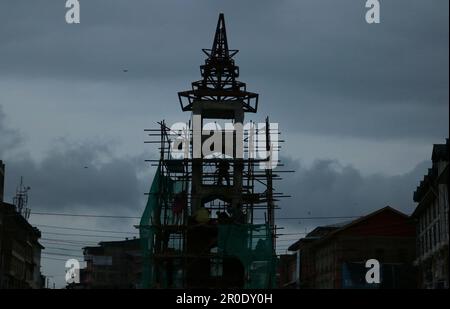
pixel 203 227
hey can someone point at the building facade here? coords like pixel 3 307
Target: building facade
pixel 2 180
pixel 287 276
pixel 335 256
pixel 305 256
pixel 20 250
pixel 112 264
pixel 431 217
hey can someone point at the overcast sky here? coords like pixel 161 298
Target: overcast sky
pixel 359 105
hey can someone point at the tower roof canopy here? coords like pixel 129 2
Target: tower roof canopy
pixel 219 77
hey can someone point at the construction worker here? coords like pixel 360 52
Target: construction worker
pixel 178 206
pixel 222 171
pixel 237 215
pixel 201 215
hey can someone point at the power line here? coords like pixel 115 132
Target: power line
pixel 83 235
pixel 134 217
pixel 54 259
pixel 60 254
pixel 65 256
pixel 83 215
pixel 63 249
pixel 314 218
pixel 372 229
pixel 61 242
pixel 84 229
pixel 79 246
pixel 291 239
pixel 300 233
pixel 64 244
pixel 75 242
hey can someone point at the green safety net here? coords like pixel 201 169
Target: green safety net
pixel 147 231
pixel 160 196
pixel 253 246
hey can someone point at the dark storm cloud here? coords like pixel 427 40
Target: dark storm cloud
pixel 328 48
pixel 320 70
pixel 328 188
pixel 319 67
pixel 88 175
pixel 9 138
pixel 150 38
pixel 336 116
pixel 113 185
pixel 322 45
pixel 314 58
pixel 77 176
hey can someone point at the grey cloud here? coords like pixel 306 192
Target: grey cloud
pixel 318 44
pixel 320 70
pixel 9 138
pixel 335 116
pixel 313 59
pixel 328 188
pixel 75 177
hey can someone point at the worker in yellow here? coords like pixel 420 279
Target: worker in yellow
pixel 201 215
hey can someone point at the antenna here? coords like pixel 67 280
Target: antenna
pixel 21 200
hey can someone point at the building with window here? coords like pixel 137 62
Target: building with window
pixel 287 276
pixel 431 217
pixel 335 256
pixel 112 264
pixel 20 250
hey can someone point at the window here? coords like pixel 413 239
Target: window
pixel 436 228
pixel 430 243
pixel 402 255
pixel 424 242
pixel 434 236
pixel 438 224
pixel 379 253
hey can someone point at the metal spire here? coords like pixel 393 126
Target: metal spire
pixel 219 76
